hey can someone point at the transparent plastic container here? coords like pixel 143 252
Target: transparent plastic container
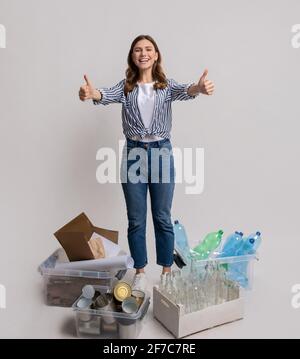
pixel 107 323
pixel 62 287
pixel 238 269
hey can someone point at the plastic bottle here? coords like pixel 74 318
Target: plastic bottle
pixel 209 243
pixel 181 240
pixel 250 244
pixel 232 244
pixel 239 271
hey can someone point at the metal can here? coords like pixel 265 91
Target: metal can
pixel 109 328
pixel 139 296
pixel 130 305
pixel 122 290
pixel 101 301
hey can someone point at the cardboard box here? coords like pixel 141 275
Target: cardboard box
pixel 63 285
pixel 75 235
pixel 172 316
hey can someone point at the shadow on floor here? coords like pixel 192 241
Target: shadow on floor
pixel 69 327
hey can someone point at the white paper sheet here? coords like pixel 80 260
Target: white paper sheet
pixel 115 258
pixel 122 261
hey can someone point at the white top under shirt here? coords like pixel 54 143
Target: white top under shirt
pixel 146 98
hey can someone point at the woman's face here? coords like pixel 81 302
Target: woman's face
pixel 144 54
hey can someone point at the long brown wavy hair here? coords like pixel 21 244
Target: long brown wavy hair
pixel 132 72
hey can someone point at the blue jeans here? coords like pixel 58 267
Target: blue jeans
pixel 137 176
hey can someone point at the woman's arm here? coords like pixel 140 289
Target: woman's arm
pixel 180 92
pixel 110 95
pixel 102 96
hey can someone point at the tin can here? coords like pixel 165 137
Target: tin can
pixel 139 296
pixel 122 290
pixel 130 305
pixel 101 301
pixel 88 291
pixel 84 303
pixel 109 328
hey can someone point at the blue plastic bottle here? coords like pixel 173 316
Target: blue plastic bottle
pixel 181 241
pixel 232 244
pixel 250 244
pixel 239 271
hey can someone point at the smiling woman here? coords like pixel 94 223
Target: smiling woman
pixel 146 95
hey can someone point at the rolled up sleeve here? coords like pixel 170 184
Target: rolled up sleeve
pixel 179 91
pixel 112 94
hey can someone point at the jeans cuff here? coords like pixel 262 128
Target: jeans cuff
pixel 164 264
pixel 140 266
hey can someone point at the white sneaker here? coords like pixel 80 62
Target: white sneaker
pixel 140 282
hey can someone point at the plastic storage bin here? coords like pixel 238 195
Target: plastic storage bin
pixel 238 269
pixel 62 287
pixel 195 304
pixel 108 323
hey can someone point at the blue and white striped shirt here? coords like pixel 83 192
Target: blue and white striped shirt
pixel 132 122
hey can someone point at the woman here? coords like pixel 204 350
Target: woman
pixel 146 95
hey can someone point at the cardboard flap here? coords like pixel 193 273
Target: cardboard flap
pixel 75 245
pixel 108 234
pixel 75 235
pixel 80 224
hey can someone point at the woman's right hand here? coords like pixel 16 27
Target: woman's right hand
pixel 88 92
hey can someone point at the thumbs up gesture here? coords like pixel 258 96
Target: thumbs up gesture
pixel 205 86
pixel 87 91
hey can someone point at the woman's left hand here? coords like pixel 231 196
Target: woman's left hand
pixel 206 86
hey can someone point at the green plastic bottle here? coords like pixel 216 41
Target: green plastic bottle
pixel 209 243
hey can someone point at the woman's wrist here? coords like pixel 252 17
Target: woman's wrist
pixel 194 90
pixel 96 95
